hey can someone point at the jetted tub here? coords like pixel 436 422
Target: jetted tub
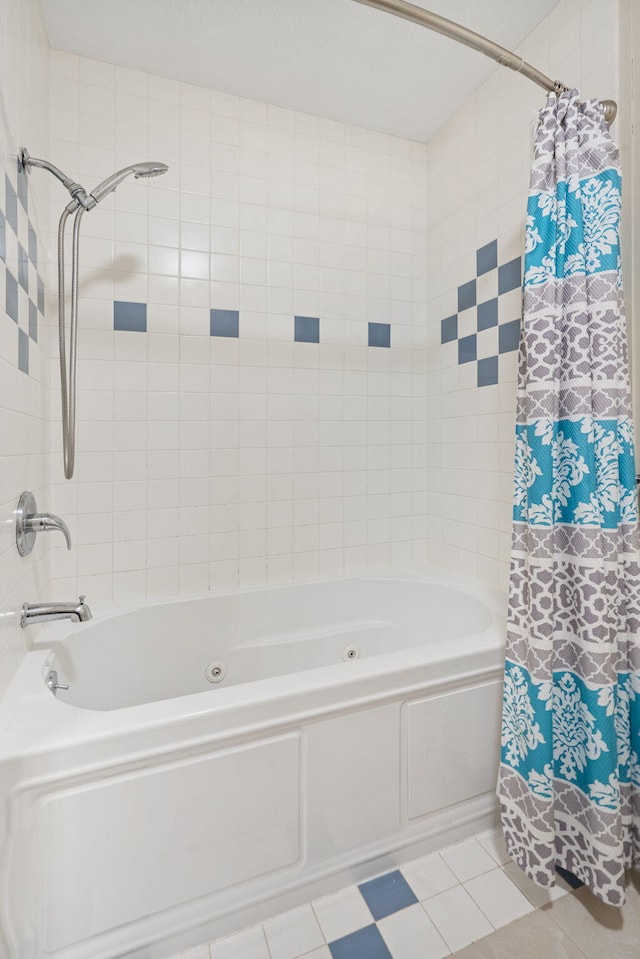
pixel 218 759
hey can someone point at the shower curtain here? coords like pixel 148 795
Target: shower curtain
pixel 569 782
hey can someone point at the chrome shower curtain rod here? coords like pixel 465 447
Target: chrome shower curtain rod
pixel 455 31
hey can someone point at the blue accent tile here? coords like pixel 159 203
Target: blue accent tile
pixel 487 258
pixel 11 304
pixel 467 349
pixel 449 329
pixel 466 295
pixel 488 314
pixel 23 190
pixel 33 321
pixel 510 276
pixel 508 336
pixel 3 237
pixel 33 246
pixel 41 295
pixel 11 204
pixel 379 334
pixel 130 316
pixel 387 894
pixel 306 329
pixel 225 323
pixel 488 371
pixel 568 877
pixel 23 268
pixel 366 943
pixel 23 351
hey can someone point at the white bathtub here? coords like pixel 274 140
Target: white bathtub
pixel 147 809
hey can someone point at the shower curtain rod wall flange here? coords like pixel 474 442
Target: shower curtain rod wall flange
pixel 455 31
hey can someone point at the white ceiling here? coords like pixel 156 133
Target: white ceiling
pixel 332 58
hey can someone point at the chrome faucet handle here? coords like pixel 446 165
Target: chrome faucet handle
pixel 44 522
pixel 29 522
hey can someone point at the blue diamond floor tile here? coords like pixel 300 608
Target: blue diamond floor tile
pixel 387 894
pixel 366 943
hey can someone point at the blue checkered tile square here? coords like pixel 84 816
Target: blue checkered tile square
pixel 468 327
pixel 387 894
pixel 366 943
pixel 23 289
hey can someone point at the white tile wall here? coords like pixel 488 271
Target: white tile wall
pixel 208 462
pixel 23 398
pixel 477 170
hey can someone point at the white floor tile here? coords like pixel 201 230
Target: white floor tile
pixel 493 842
pixel 428 876
pixel 500 900
pixel 342 913
pixel 457 918
pixel 294 933
pixel 538 895
pixel 410 934
pixel 468 859
pixel 323 953
pixel 248 944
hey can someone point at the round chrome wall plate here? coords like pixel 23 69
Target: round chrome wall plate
pixel 25 538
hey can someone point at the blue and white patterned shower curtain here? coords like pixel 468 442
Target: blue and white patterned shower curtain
pixel 569 782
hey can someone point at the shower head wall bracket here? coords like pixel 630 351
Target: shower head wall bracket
pixel 78 193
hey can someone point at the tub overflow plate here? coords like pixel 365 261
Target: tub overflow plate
pixel 215 672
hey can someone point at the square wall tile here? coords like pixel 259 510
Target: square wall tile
pixel 11 297
pixel 467 349
pixel 23 351
pixel 23 190
pixel 387 894
pixel 379 334
pixel 11 204
pixel 41 296
pixel 130 316
pixel 488 314
pixel 33 246
pixel 23 268
pixel 488 371
pixel 225 323
pixel 306 329
pixel 487 257
pixel 508 336
pixel 33 321
pixel 364 944
pixel 449 329
pixel 467 295
pixel 510 276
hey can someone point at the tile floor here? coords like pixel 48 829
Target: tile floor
pixel 469 900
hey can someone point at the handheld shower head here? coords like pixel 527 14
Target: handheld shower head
pixel 139 170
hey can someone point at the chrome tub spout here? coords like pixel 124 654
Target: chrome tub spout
pixel 46 612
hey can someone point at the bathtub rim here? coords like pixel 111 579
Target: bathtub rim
pixel 32 720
